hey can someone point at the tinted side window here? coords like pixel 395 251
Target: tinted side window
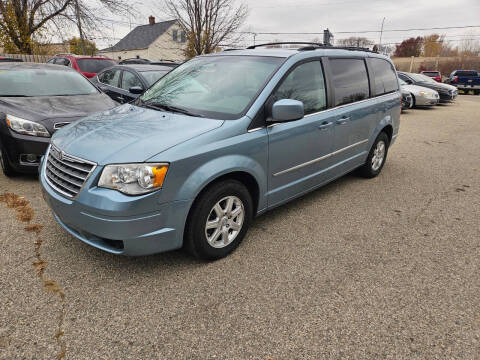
pixel 306 84
pixel 350 80
pixel 385 78
pixel 129 80
pixel 405 78
pixel 110 77
pixel 62 61
pixel 467 73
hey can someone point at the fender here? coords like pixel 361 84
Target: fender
pixel 218 167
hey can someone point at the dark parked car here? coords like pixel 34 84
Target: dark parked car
pixel 466 80
pixel 35 101
pixel 134 61
pixel 435 75
pixel 6 59
pixel 124 83
pixel 85 65
pixel 446 92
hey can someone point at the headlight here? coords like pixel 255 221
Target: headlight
pixel 26 127
pixel 423 93
pixel 133 179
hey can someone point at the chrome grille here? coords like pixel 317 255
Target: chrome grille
pixel 66 173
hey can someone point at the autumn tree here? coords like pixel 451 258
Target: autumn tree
pixel 207 23
pixel 433 45
pixel 22 20
pixel 355 42
pixel 76 46
pixel 409 47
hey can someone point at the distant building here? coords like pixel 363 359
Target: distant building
pixel 154 41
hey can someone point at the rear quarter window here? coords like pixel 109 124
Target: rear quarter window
pixel 384 75
pixel 350 80
pixel 467 73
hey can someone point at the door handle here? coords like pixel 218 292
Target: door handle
pixel 343 120
pixel 325 125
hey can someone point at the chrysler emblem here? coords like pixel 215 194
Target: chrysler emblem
pixel 60 155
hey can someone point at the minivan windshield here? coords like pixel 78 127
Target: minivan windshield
pixel 40 82
pixel 219 87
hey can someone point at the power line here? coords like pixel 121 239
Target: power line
pixel 357 32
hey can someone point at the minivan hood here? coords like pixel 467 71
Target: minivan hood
pixel 129 133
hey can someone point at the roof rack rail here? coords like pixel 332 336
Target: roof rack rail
pixel 287 43
pixel 314 46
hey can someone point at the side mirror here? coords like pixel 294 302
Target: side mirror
pixel 136 90
pixel 287 110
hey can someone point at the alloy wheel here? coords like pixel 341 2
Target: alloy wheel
pixel 378 155
pixel 224 222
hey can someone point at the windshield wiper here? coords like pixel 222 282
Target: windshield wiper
pixel 14 96
pixel 160 106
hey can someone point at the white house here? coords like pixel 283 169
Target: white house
pixel 154 41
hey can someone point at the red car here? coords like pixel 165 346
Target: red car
pixel 86 65
pixel 435 75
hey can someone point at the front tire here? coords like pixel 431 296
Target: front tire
pixel 376 158
pixel 412 102
pixel 218 220
pixel 7 168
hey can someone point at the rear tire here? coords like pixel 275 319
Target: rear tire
pixel 376 158
pixel 476 92
pixel 218 220
pixel 7 168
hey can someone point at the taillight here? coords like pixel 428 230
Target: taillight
pixel 455 79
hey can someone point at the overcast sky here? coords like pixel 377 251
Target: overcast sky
pixel 341 15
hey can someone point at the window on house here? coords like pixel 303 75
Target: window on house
pixel 184 37
pixel 175 35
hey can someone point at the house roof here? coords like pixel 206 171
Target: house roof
pixel 142 36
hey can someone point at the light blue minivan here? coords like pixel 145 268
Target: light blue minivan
pixel 217 141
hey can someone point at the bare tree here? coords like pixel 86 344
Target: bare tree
pixel 469 46
pixel 207 23
pixel 355 41
pixel 22 20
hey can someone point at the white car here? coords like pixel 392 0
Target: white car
pixel 421 96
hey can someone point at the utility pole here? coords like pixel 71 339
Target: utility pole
pixel 79 24
pixel 381 33
pixel 254 36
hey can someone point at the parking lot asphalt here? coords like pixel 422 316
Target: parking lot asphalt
pixel 386 268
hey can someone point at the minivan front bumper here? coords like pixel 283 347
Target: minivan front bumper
pixel 126 230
